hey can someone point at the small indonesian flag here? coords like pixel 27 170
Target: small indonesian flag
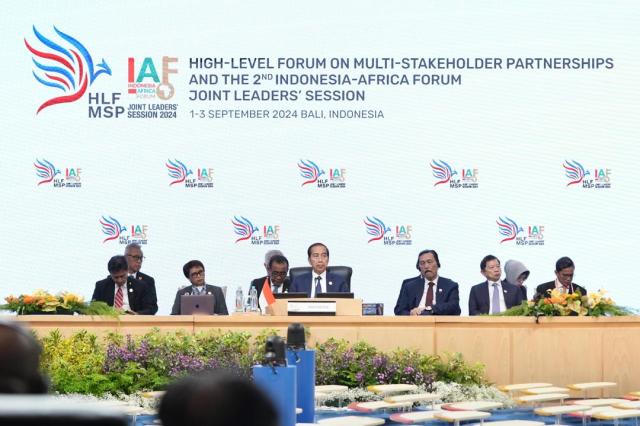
pixel 266 296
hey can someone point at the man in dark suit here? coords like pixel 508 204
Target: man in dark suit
pixel 122 292
pixel 194 271
pixel 134 255
pixel 277 268
pixel 428 293
pixel 319 280
pixel 565 269
pixel 493 296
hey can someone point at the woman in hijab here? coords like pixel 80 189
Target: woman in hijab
pixel 516 274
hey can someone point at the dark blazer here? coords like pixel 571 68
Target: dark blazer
pixel 302 284
pixel 479 297
pixel 151 283
pixel 220 306
pixel 541 290
pixel 447 297
pixel 259 282
pixel 141 300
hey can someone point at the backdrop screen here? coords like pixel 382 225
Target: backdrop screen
pixel 220 130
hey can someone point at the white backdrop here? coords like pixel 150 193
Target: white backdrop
pixel 515 127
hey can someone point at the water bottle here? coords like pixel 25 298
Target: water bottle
pixel 239 300
pixel 253 299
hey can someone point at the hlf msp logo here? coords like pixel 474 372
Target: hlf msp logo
pixel 114 230
pixel 530 235
pixel 245 230
pixel 378 231
pixel 312 174
pixel 445 175
pixel 578 175
pixel 50 175
pixel 64 64
pixel 181 175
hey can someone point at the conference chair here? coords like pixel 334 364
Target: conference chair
pixel 343 271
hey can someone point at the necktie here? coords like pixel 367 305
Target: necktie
pixel 119 299
pixel 318 286
pixel 495 299
pixel 274 289
pixel 429 300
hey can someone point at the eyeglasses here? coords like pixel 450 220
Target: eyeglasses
pixel 279 274
pixel 197 274
pixel 138 258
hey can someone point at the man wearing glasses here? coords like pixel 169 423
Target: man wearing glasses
pixel 194 271
pixel 134 255
pixel 319 280
pixel 277 267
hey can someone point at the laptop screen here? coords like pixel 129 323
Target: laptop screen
pixel 201 304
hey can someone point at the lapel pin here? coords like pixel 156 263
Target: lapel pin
pixel 505 291
pixel 330 283
pixel 209 292
pixel 130 290
pixel 439 290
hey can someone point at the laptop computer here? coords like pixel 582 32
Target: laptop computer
pixel 300 295
pixel 201 304
pixel 334 295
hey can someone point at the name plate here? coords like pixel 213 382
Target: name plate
pixel 311 307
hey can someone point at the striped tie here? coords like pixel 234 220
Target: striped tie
pixel 119 300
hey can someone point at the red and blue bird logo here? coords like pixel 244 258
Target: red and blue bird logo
pixel 574 171
pixel 243 227
pixel 177 171
pixel 45 170
pixel 442 171
pixel 65 65
pixel 376 228
pixel 508 228
pixel 309 171
pixel 111 228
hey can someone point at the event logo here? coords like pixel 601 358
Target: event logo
pixel 144 81
pixel 509 230
pixel 444 174
pixel 379 231
pixel 112 228
pixel 577 174
pixel 245 229
pixel 47 172
pixel 311 173
pixel 70 69
pixel 179 173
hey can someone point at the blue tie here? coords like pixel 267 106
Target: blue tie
pixel 495 300
pixel 318 286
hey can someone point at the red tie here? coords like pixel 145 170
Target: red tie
pixel 117 303
pixel 429 300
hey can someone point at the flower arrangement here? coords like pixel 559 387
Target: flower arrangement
pixel 42 301
pixel 564 304
pixel 115 364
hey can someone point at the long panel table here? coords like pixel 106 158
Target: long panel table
pixel 560 350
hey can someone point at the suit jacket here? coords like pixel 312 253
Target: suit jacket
pixel 302 284
pixel 219 307
pixel 541 290
pixel 447 297
pixel 141 300
pixel 259 282
pixel 479 297
pixel 151 283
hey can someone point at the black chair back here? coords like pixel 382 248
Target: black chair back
pixel 343 271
